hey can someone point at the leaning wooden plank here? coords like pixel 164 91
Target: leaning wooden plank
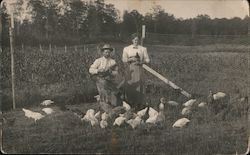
pixel 165 80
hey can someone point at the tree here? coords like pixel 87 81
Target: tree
pixel 4 27
pixel 132 22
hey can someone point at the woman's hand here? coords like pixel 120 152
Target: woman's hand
pixel 132 59
pixel 139 63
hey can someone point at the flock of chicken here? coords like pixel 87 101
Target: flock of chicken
pixel 36 115
pixel 125 114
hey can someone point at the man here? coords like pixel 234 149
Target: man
pixel 103 71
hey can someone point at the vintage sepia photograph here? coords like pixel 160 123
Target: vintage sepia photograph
pixel 125 77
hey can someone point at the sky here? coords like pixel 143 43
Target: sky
pixel 179 8
pixel 187 8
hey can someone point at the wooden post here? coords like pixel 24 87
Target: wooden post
pixel 143 34
pixel 12 60
pixel 65 48
pixel 49 47
pixel 170 83
pixel 75 48
pixel 142 89
pixel 40 47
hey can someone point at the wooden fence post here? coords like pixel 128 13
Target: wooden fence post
pixel 49 47
pixel 75 48
pixel 65 48
pixel 11 29
pixel 40 47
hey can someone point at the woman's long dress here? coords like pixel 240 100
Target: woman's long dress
pixel 134 78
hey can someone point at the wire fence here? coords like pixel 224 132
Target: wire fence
pixel 187 39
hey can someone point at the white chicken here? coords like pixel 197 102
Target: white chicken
pixel 186 111
pixel 180 123
pixel 161 106
pixel 34 115
pixel 48 110
pixel 189 103
pixel 98 115
pixel 47 102
pixel 90 117
pixel 119 121
pixel 202 104
pixel 126 106
pixel 104 116
pixel 160 116
pixel 142 112
pixel 135 122
pixel 154 116
pixel 152 119
pixel 218 95
pixel 103 122
pixel 152 112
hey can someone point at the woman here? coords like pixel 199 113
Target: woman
pixel 133 57
pixel 103 71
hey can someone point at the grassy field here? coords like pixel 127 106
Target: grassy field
pixel 196 69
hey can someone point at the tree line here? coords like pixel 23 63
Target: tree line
pixel 77 21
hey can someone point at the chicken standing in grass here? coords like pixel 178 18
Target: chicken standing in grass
pixel 161 115
pixel 219 95
pixel 135 122
pixel 126 106
pixel 119 121
pixel 34 115
pixel 142 112
pixel 153 114
pixel 156 117
pixel 48 110
pixel 98 115
pixel 103 122
pixel 47 102
pixel 90 117
pixel 189 103
pixel 202 104
pixel 180 123
pixel 217 101
pixel 186 111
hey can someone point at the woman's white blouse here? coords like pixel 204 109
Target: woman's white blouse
pixel 130 51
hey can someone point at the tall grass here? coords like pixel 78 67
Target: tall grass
pixel 64 76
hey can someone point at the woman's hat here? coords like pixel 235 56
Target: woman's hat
pixel 107 46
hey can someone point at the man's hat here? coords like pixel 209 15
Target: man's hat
pixel 107 46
